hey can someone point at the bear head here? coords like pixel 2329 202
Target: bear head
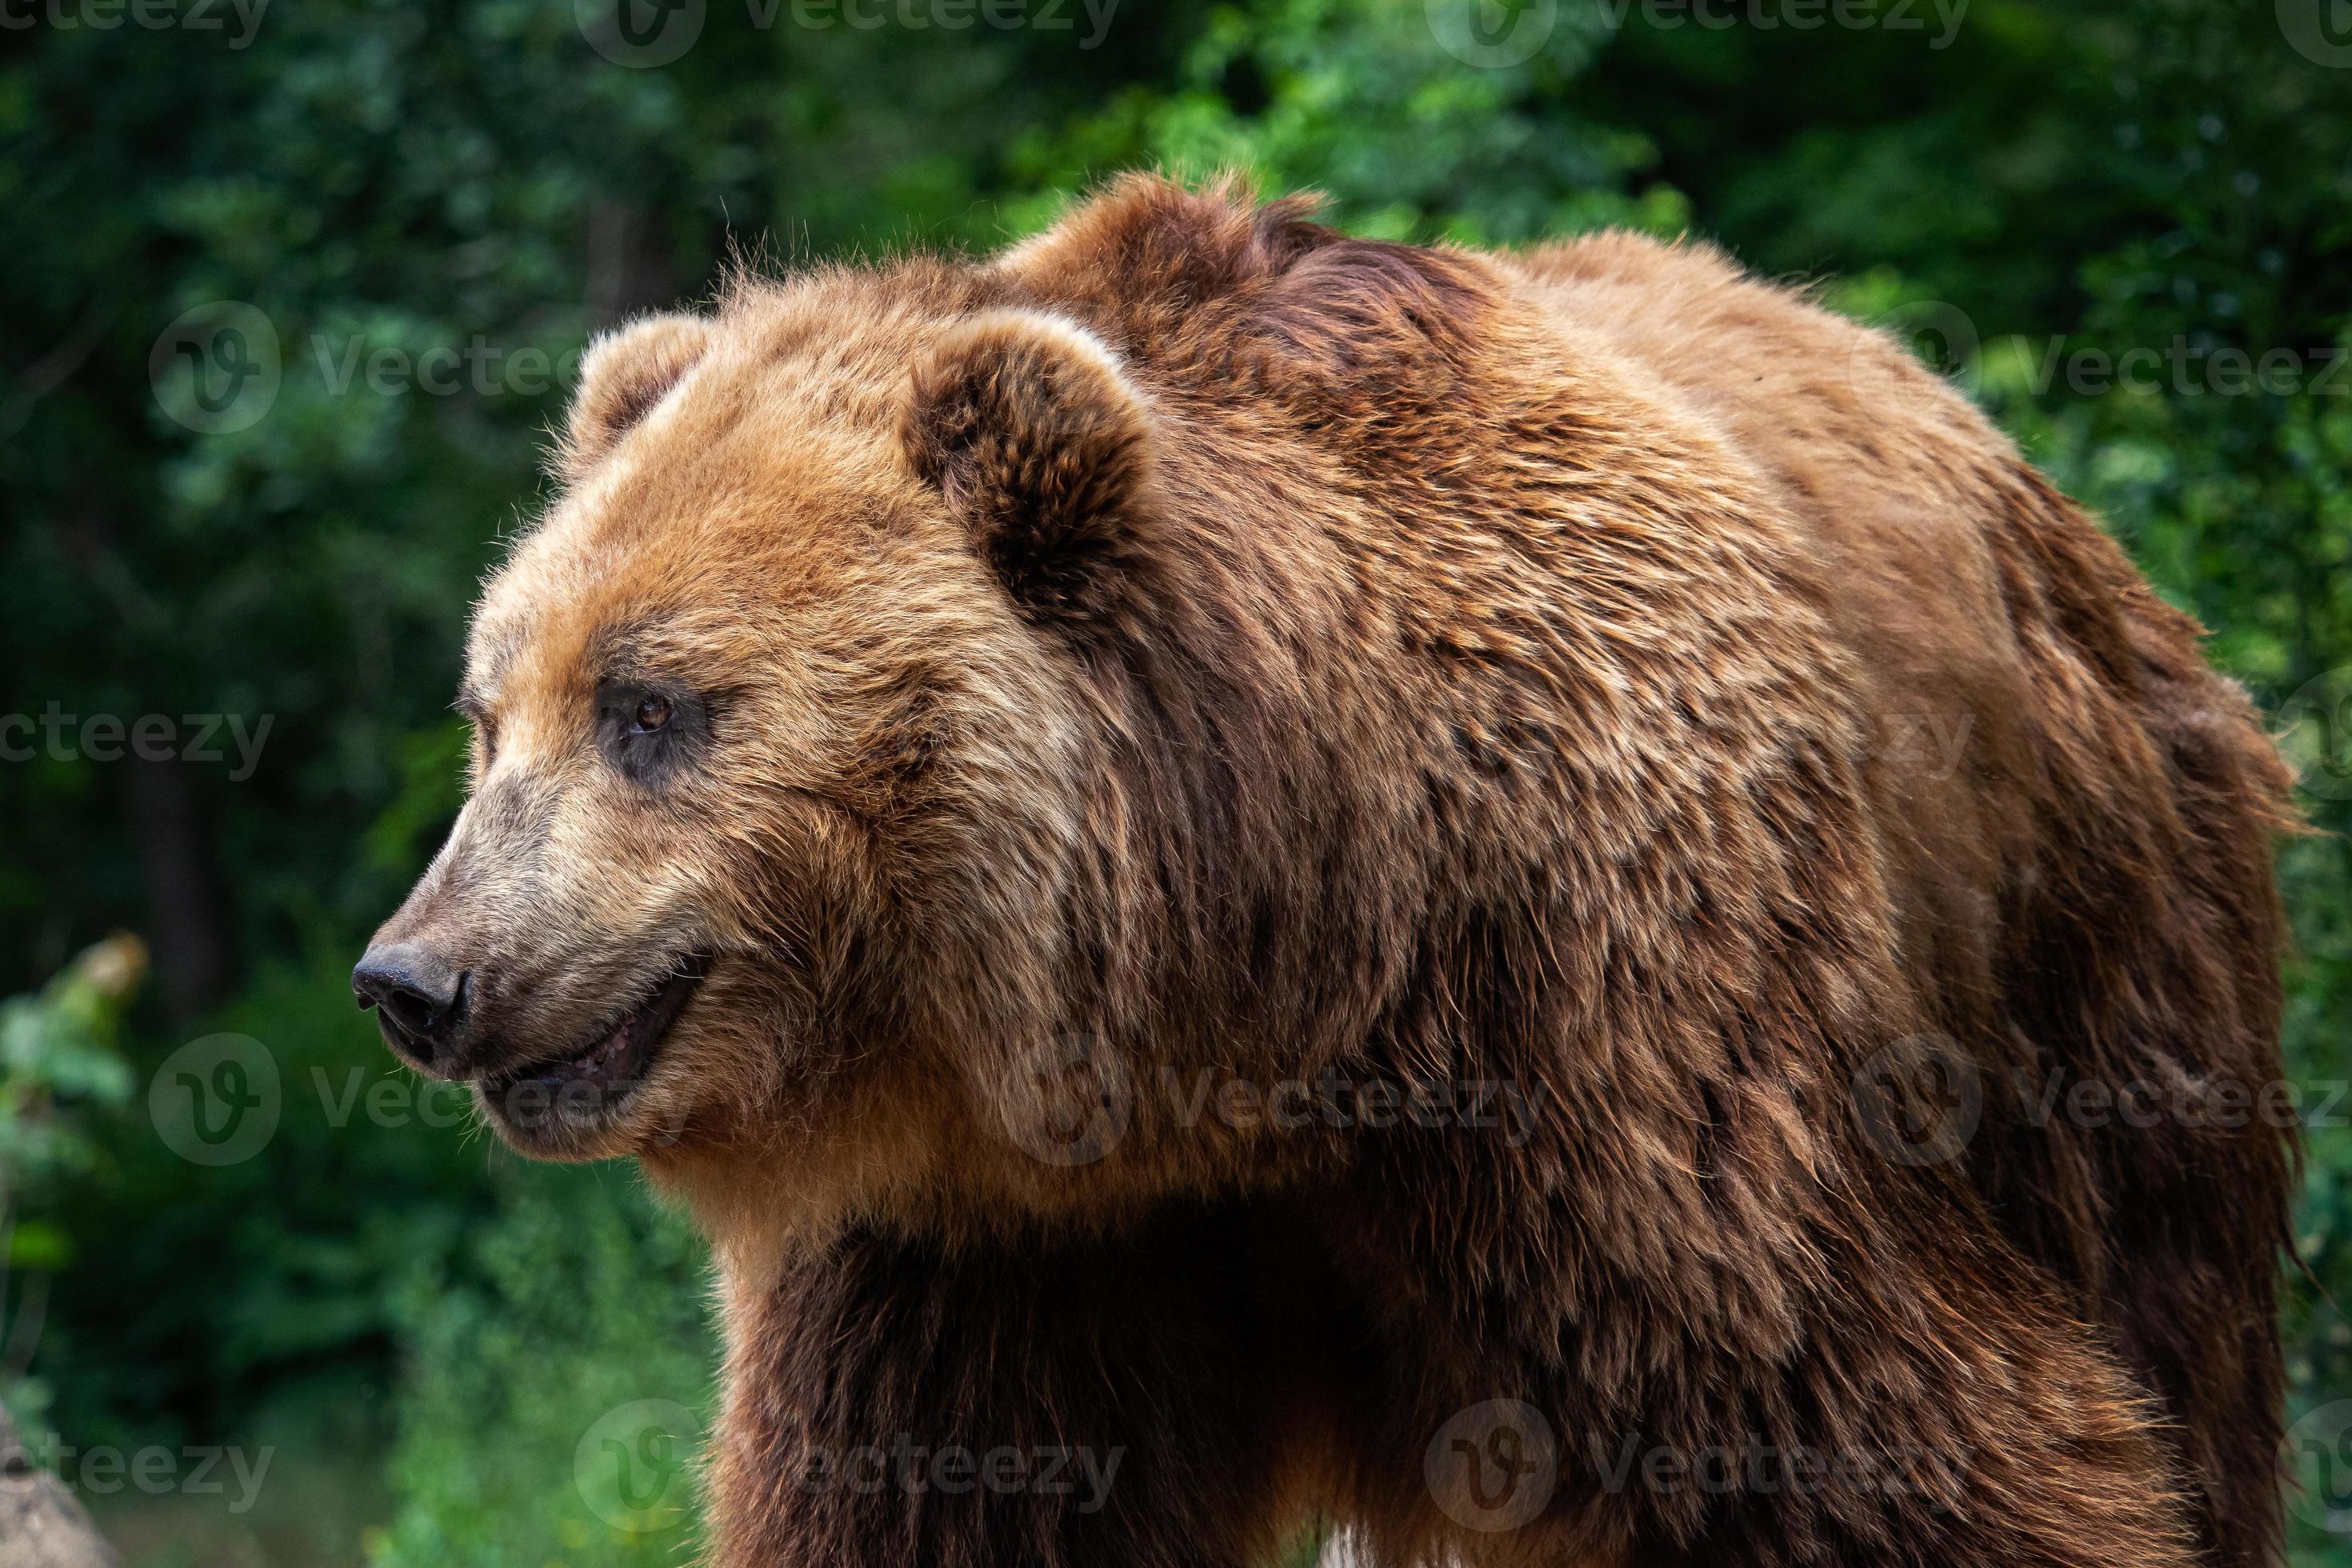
pixel 780 748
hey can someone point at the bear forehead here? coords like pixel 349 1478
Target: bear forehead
pixel 744 488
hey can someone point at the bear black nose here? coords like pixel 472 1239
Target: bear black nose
pixel 420 1002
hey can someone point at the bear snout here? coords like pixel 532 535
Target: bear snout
pixel 420 999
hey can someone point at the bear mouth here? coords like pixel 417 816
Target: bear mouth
pixel 609 1060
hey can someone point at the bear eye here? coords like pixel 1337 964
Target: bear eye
pixel 648 733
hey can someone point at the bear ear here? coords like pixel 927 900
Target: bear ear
pixel 1030 430
pixel 625 372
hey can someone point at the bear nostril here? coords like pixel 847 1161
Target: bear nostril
pixel 410 1012
pixel 419 999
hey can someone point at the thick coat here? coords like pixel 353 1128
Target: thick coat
pixel 1464 894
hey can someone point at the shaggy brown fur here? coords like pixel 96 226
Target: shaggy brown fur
pixel 1200 649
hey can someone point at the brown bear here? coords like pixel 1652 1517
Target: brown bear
pixel 1255 879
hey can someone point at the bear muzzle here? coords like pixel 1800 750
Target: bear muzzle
pixel 548 1084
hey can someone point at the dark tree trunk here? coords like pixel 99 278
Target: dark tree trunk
pixel 189 925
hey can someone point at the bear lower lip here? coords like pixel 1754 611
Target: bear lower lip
pixel 610 1062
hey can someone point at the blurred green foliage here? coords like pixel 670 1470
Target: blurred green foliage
pixel 57 1064
pixel 415 195
pixel 578 1301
